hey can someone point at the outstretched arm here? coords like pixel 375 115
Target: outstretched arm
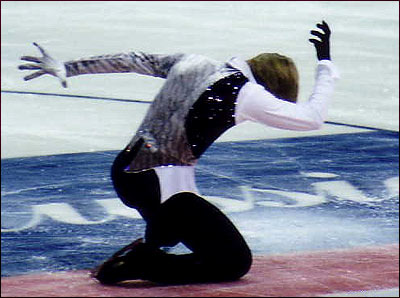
pixel 153 65
pixel 258 105
pixel 138 62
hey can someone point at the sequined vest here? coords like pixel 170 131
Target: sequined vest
pixel 178 129
pixel 213 113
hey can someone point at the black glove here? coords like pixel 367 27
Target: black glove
pixel 322 45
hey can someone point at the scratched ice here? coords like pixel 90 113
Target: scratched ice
pixel 337 191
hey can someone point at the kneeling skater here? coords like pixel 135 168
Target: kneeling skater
pixel 155 174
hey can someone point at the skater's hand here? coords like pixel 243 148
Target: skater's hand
pixel 322 44
pixel 44 65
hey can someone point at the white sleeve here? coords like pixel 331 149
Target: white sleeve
pixel 256 104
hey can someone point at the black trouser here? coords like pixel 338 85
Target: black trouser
pixel 219 251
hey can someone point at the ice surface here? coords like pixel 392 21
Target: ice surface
pixel 365 47
pixel 282 199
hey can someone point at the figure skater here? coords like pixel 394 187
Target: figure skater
pixel 155 174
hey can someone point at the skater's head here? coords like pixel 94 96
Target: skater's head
pixel 278 74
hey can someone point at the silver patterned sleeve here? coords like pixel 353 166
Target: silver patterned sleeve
pixel 147 64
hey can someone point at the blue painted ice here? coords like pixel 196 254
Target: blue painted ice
pixel 60 211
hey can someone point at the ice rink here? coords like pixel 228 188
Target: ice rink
pixel 289 193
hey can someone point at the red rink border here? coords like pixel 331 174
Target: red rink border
pixel 291 275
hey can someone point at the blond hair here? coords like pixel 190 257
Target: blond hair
pixel 277 73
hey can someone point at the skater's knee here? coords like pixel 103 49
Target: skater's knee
pixel 244 265
pixel 231 266
pixel 239 266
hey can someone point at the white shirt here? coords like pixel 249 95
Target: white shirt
pixel 254 103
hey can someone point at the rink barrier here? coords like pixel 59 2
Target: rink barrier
pixel 75 96
pixel 149 102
